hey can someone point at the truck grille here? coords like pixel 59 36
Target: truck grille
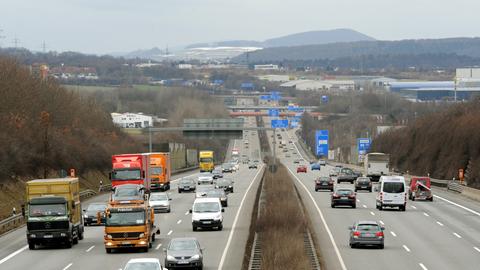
pixel 126 235
pixel 47 225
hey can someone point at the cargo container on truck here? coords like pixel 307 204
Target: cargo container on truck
pixel 53 212
pixel 130 169
pixel 376 165
pixel 159 171
pixel 206 161
pixel 129 224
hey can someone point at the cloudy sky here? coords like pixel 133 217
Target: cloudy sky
pixel 101 26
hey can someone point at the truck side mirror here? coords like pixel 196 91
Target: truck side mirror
pixel 23 210
pixel 190 211
pixel 223 209
pixel 110 175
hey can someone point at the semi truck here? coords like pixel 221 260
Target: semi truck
pixel 129 224
pixel 206 161
pixel 53 212
pixel 376 165
pixel 159 171
pixel 130 169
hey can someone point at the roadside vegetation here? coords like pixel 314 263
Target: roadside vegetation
pixel 439 144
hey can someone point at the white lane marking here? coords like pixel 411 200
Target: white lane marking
pixel 425 214
pixel 393 233
pixel 230 236
pixel 89 249
pixel 68 266
pixel 158 246
pixel 13 254
pixel 371 213
pixel 457 235
pixel 477 249
pixel 170 232
pixel 179 221
pixel 381 222
pixel 414 207
pixel 458 205
pixel 186 213
pixel 330 235
pixel 423 266
pixel 439 223
pixel 364 206
pixel 406 248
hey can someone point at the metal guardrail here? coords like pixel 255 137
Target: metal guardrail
pixel 455 186
pixel 10 223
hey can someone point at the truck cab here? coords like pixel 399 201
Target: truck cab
pixel 129 169
pixel 53 212
pixel 159 171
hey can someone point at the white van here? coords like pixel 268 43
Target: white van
pixel 391 192
pixel 207 213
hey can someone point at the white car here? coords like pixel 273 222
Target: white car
pixel 391 192
pixel 207 213
pixel 160 202
pixel 144 264
pixel 205 179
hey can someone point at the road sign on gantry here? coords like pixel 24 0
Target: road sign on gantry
pixel 273 113
pixel 279 123
pixel 363 145
pixel 321 142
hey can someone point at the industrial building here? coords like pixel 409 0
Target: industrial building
pixel 265 67
pixel 318 85
pixel 132 120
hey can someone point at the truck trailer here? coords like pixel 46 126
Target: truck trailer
pixel 53 212
pixel 159 171
pixel 206 161
pixel 376 165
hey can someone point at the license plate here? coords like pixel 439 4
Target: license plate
pixel 368 235
pixel 48 236
pixel 207 222
pixel 187 188
pixel 94 219
pixel 324 184
pixel 182 262
pixel 126 243
pixel 344 198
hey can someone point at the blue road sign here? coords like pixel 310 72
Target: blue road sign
pixel 279 123
pixel 321 142
pixel 265 97
pixel 273 113
pixel 363 145
pixel 294 123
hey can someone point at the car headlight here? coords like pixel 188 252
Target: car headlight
pixel 141 235
pixel 170 258
pixel 195 257
pixel 218 217
pixel 85 216
pixel 109 236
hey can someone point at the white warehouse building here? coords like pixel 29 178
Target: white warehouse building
pixel 132 120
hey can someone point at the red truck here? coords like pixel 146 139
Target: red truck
pixel 130 169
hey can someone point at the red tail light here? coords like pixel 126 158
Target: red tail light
pixel 379 234
pixel 351 196
pixel 356 233
pixel 336 196
pixel 381 196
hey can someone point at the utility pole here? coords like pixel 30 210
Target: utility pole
pixel 16 41
pixel 44 47
pixel 1 37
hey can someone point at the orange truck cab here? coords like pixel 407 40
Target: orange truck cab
pixel 420 188
pixel 130 169
pixel 129 224
pixel 159 171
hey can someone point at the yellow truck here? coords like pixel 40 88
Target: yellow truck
pixel 129 224
pixel 206 161
pixel 53 212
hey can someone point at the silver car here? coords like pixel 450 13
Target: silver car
pixel 367 233
pixel 160 202
pixel 205 179
pixel 184 253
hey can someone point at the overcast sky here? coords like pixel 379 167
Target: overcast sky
pixel 101 26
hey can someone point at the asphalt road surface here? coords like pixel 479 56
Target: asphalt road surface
pixel 223 249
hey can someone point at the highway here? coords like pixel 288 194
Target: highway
pixel 223 249
pixel 443 234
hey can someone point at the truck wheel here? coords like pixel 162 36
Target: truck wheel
pixel 381 246
pixel 80 233
pixel 150 244
pixel 69 243
pixel 413 198
pixel 153 237
pixel 31 245
pixel 108 250
pixel 431 199
pixel 179 191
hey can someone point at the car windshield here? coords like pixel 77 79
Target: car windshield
pixel 156 170
pixel 206 160
pixel 96 207
pixel 159 197
pixel 344 192
pixel 224 182
pixel 128 174
pixel 186 182
pixel 176 245
pixel 40 210
pixel 142 266
pixel 393 187
pixel 127 192
pixel 126 218
pixel 324 179
pixel 363 180
pixel 368 227
pixel 205 207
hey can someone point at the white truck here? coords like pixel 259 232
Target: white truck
pixel 376 165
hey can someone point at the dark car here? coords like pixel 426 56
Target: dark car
pixel 90 214
pixel 366 233
pixel 225 184
pixel 324 182
pixel 296 161
pixel 218 193
pixel 186 184
pixel 344 197
pixel 363 183
pixel 315 166
pixel 252 165
pixel 217 173
pixel 184 253
pixel 346 175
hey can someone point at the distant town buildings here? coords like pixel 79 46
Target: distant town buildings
pixel 317 85
pixel 266 67
pixel 132 120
